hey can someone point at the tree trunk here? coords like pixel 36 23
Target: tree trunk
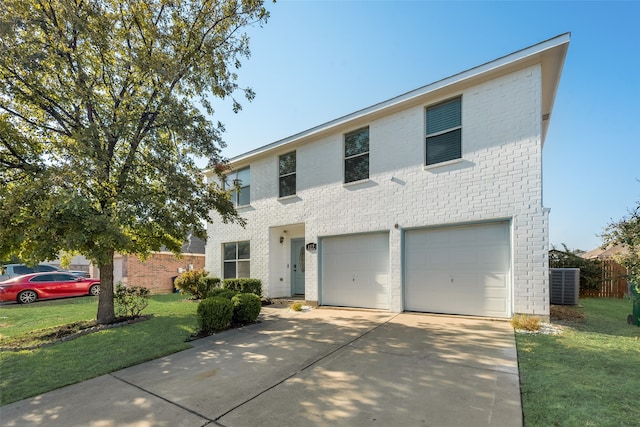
pixel 106 312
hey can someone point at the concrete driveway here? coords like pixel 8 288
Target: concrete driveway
pixel 317 368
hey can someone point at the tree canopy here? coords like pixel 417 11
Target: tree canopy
pixel 104 107
pixel 626 232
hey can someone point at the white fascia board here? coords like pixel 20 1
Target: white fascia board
pixel 532 53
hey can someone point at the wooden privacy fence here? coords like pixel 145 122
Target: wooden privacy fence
pixel 614 282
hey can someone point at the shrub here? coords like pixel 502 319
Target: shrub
pixel 191 283
pixel 246 308
pixel 209 283
pixel 131 300
pixel 296 306
pixel 222 293
pixel 590 269
pixel 214 314
pixel 244 285
pixel 525 322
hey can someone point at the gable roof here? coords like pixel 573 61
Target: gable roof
pixel 550 54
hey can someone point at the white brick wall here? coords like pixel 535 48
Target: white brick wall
pixel 499 177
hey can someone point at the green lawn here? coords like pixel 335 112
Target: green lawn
pixel 30 372
pixel 587 376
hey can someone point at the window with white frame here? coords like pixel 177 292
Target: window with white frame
pixel 356 155
pixel 287 174
pixel 237 260
pixel 239 182
pixel 444 132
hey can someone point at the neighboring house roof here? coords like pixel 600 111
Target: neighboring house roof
pixel 193 245
pixel 550 54
pixel 607 253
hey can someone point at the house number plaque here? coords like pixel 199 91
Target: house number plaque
pixel 312 246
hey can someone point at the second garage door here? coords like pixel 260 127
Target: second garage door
pixel 355 271
pixel 459 270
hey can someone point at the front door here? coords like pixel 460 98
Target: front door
pixel 297 266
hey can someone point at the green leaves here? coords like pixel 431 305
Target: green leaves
pixel 101 119
pixel 590 269
pixel 626 232
pixel 131 300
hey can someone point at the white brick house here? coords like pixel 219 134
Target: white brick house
pixel 430 201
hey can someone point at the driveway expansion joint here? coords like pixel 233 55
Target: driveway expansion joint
pixel 207 420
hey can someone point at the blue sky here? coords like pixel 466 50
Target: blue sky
pixel 315 61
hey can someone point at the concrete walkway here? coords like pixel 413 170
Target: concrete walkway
pixel 317 368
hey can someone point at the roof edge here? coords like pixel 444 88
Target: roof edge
pixel 458 78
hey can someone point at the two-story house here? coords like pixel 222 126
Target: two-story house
pixel 430 201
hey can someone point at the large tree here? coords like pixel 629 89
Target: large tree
pixel 626 232
pixel 104 108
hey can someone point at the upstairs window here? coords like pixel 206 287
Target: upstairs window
pixel 239 182
pixel 444 132
pixel 237 260
pixel 356 155
pixel 287 175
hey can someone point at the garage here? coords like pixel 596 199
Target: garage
pixel 458 270
pixel 355 271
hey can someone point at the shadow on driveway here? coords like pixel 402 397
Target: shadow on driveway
pixel 316 368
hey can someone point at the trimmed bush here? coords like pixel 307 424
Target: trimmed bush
pixel 207 284
pixel 196 283
pixel 222 293
pixel 214 314
pixel 246 308
pixel 244 285
pixel 211 282
pixel 189 282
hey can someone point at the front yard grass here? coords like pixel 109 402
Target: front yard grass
pixel 587 376
pixel 28 373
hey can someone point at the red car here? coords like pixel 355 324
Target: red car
pixel 30 287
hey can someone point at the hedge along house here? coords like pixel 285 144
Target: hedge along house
pixel 430 201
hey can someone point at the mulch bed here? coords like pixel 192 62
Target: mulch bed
pixel 566 313
pixel 51 336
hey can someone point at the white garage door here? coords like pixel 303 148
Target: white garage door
pixel 355 271
pixel 459 270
